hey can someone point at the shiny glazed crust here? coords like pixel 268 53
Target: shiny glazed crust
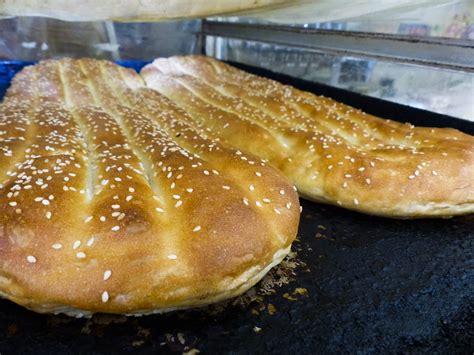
pixel 111 202
pixel 332 152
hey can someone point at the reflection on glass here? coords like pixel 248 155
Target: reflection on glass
pixel 444 91
pixel 452 20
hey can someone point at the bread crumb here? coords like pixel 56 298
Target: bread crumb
pixel 271 309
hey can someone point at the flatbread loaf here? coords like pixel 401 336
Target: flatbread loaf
pixel 332 152
pixel 111 202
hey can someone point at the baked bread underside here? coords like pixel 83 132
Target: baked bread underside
pixel 112 200
pixel 332 152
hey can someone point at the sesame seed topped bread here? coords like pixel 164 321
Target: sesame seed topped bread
pixel 112 202
pixel 332 152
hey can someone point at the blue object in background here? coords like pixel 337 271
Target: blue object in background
pixel 9 68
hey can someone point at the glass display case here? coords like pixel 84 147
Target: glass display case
pixel 421 57
pixel 417 56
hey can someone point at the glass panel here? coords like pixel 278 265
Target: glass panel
pixel 34 38
pixel 443 91
pixel 451 20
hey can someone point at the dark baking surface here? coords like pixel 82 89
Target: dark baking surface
pixel 362 284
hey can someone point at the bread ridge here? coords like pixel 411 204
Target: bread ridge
pixel 332 152
pixel 113 203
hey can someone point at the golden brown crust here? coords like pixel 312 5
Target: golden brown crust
pixel 113 203
pixel 332 152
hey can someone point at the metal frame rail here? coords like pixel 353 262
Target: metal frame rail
pixel 446 53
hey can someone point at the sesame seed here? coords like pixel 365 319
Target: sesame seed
pixel 277 211
pixel 76 244
pixel 282 192
pixel 115 228
pixel 160 210
pixel 258 173
pixel 48 215
pixel 107 274
pixel 258 203
pixel 105 296
pixel 57 246
pixel 129 198
pixel 434 173
pixel 190 190
pixel 246 202
pixel 81 255
pixel 356 201
pixel 197 229
pixel 88 219
pixel 206 172
pixel 252 188
pixel 90 242
pixel 411 177
pixel 12 203
pixel 179 203
pixel 176 197
pixel 45 202
pixel 102 218
pixel 31 259
pixel 115 207
pixel 368 181
pixel 225 187
pixel 266 200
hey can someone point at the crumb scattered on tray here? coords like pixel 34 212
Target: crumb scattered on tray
pixel 295 295
pixel 138 343
pixel 279 276
pixel 271 309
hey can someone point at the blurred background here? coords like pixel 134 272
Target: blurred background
pixel 440 89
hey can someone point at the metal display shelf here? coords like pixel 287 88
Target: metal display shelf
pixel 452 54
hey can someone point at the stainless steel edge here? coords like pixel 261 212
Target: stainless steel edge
pixel 451 54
